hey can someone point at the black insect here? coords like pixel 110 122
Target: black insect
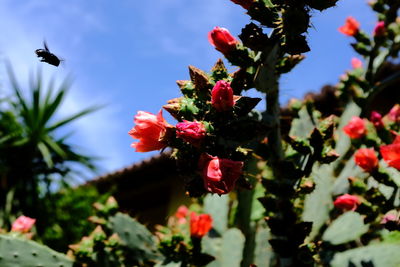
pixel 47 56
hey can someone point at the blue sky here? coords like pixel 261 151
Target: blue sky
pixel 128 54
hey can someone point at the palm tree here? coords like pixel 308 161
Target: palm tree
pixel 31 154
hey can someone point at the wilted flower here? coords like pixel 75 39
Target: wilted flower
pixel 222 96
pixel 23 224
pixel 192 132
pixel 391 153
pixel 246 4
pixel 366 159
pixel 347 202
pixel 351 27
pixel 200 224
pixel 355 128
pixel 376 119
pixel 356 63
pixel 222 39
pixel 150 130
pixel 219 175
pixel 379 29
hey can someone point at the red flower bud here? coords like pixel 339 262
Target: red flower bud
pixel 23 224
pixel 394 113
pixel 222 39
pixel 366 159
pixel 355 128
pixel 192 132
pixel 150 130
pixel 391 153
pixel 351 27
pixel 246 4
pixel 379 29
pixel 376 119
pixel 200 225
pixel 222 96
pixel 356 63
pixel 347 202
pixel 219 175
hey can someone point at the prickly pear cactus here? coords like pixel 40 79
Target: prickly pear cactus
pixel 17 252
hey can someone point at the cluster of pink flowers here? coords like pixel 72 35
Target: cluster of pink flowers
pixel 366 157
pixel 352 28
pixel 200 224
pixel 153 132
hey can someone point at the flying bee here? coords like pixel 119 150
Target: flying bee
pixel 47 56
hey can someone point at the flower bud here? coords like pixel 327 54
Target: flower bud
pixel 356 63
pixel 23 224
pixel 150 130
pixel 222 40
pixel 355 128
pixel 219 175
pixel 366 159
pixel 347 202
pixel 222 96
pixel 376 119
pixel 192 132
pixel 379 29
pixel 200 225
pixel 351 27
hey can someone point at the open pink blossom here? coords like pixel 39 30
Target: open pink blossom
pixel 219 175
pixel 192 132
pixel 355 128
pixel 200 224
pixel 351 27
pixel 23 224
pixel 366 159
pixel 150 130
pixel 391 153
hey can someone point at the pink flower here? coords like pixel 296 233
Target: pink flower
pixel 22 224
pixel 376 119
pixel 347 202
pixel 391 153
pixel 246 4
pixel 356 63
pixel 394 113
pixel 200 225
pixel 219 175
pixel 150 130
pixel 389 217
pixel 379 29
pixel 355 128
pixel 222 40
pixel 192 132
pixel 366 159
pixel 222 96
pixel 181 214
pixel 351 27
